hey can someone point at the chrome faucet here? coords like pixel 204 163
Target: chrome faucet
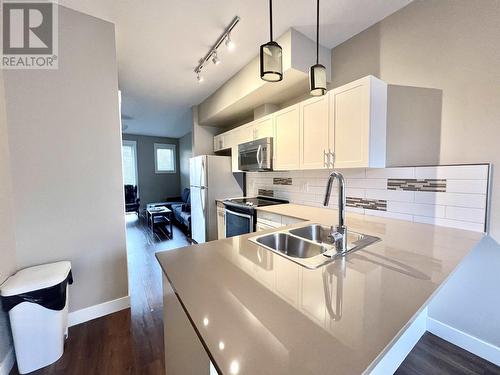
pixel 339 235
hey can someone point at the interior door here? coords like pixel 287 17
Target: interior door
pixel 198 214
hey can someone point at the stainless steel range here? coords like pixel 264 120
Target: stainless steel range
pixel 240 213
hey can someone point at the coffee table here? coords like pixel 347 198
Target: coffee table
pixel 160 215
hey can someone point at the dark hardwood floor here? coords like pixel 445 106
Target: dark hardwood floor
pixel 131 341
pixel 435 356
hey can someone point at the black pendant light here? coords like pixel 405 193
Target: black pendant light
pixel 317 73
pixel 271 62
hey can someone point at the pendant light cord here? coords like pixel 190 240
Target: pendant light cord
pixel 271 18
pixel 317 32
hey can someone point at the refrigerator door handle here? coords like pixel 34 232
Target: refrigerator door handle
pixel 202 199
pixel 203 175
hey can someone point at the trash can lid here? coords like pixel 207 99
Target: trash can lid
pixel 34 278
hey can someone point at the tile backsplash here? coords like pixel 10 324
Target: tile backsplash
pixel 453 196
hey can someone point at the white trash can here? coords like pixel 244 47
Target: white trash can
pixel 37 303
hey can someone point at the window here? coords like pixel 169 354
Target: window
pixel 129 162
pixel 164 158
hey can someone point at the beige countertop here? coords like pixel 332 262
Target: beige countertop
pixel 269 315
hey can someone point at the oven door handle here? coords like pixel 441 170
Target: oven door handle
pixel 238 214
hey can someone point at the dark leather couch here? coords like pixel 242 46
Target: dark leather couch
pixel 182 209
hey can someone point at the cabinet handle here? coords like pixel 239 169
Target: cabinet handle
pixel 325 159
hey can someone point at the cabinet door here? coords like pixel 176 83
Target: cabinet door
pixel 263 128
pixel 221 224
pixel 315 136
pixel 351 121
pixel 287 139
pixel 246 133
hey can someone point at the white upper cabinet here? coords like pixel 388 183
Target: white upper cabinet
pixel 350 122
pixel 246 133
pixel 359 116
pixel 263 127
pixel 219 142
pixel 287 138
pixel 316 133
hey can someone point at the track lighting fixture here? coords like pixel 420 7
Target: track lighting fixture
pixel 212 54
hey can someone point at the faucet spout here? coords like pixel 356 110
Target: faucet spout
pixel 341 231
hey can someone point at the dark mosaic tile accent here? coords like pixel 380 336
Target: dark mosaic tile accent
pixel 282 181
pixel 411 184
pixel 266 193
pixel 369 204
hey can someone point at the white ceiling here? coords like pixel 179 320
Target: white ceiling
pixel 159 43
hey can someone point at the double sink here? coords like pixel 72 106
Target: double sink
pixel 311 246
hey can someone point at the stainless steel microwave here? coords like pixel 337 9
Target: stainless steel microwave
pixel 256 155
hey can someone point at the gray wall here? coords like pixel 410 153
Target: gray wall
pixel 451 46
pixel 154 187
pixel 65 158
pixel 185 152
pixel 7 239
pixel 448 45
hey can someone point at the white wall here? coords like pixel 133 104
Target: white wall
pixel 7 239
pixel 185 152
pixel 452 46
pixel 65 155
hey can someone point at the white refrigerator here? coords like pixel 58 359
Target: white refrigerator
pixel 210 179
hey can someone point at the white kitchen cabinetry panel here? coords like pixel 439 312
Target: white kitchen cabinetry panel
pixel 358 111
pixel 316 135
pixel 221 223
pixel 219 142
pixel 287 138
pixel 263 127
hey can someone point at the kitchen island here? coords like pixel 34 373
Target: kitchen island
pixel 248 310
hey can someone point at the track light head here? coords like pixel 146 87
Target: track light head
pixel 215 58
pixel 199 77
pixel 229 43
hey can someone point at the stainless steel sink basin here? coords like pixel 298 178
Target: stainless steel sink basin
pixel 290 245
pixel 311 246
pixel 321 234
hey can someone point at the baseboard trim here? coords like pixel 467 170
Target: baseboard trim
pixel 464 340
pixel 391 358
pixel 7 363
pixel 96 311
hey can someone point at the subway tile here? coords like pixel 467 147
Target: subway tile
pixel 451 199
pixel 354 192
pixel 353 173
pixel 367 183
pixel 474 215
pixel 390 195
pixel 459 172
pixel 467 186
pixel 476 227
pixel 406 172
pixel 416 209
pixel 389 215
pixel 356 210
